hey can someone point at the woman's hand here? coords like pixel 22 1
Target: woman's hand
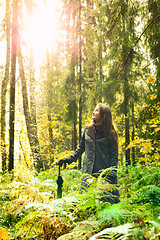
pixel 62 161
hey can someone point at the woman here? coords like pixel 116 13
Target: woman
pixel 100 144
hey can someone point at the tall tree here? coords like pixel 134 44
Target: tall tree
pixel 30 117
pixel 124 10
pixel 79 32
pixel 152 36
pixel 4 87
pixel 71 85
pixel 28 94
pixel 50 96
pixel 119 19
pixel 12 82
pixel 90 54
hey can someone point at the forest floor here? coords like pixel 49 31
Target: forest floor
pixel 30 209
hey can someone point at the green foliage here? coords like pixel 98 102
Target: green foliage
pixel 149 176
pixel 148 194
pixel 33 210
pixel 113 215
pixel 48 174
pixel 148 129
pixel 7 177
pixel 139 176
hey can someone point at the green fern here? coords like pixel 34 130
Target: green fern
pixel 147 194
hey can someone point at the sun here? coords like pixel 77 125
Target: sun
pixel 42 27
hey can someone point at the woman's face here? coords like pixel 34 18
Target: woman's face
pixel 96 115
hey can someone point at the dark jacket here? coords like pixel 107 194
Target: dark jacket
pixel 100 153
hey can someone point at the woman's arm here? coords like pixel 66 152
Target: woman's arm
pixel 77 153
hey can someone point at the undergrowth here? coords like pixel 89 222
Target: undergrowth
pixel 30 208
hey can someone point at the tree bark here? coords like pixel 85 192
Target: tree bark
pixel 30 118
pixel 12 83
pixel 74 126
pixel 126 85
pixel 80 78
pixel 4 90
pixel 126 112
pixel 133 133
pixel 50 96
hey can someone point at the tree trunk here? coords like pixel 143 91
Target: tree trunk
pixel 30 118
pixel 50 96
pixel 32 93
pixel 126 84
pixel 126 112
pixel 100 77
pixel 74 127
pixel 12 83
pixel 80 78
pixel 51 143
pixel 4 90
pixel 133 132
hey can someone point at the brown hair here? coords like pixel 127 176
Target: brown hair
pixel 106 123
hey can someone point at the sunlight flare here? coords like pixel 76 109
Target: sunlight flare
pixel 42 27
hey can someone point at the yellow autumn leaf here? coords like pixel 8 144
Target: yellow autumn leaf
pixel 153 97
pixel 4 234
pixel 146 234
pixel 151 80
